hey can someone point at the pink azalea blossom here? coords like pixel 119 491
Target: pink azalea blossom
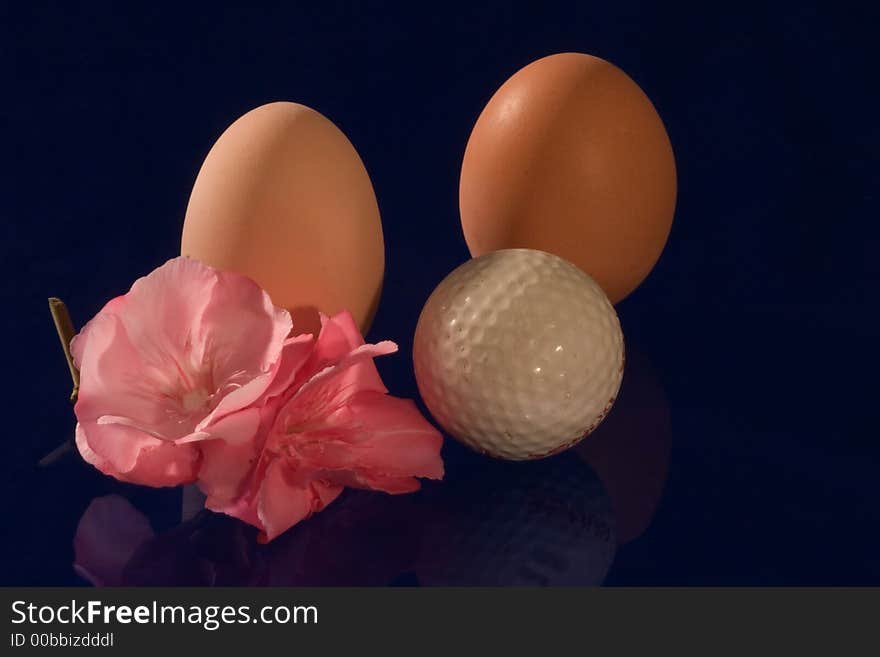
pixel 327 423
pixel 186 356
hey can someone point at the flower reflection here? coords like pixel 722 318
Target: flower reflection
pixel 365 539
pixel 109 533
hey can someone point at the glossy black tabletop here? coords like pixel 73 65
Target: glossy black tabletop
pixel 743 448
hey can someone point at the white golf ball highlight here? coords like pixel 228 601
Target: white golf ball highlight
pixel 518 354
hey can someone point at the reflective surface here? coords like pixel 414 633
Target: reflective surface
pixel 551 522
pixel 491 524
pixel 750 456
pixel 647 498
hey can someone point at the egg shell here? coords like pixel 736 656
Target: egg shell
pixel 570 157
pixel 284 198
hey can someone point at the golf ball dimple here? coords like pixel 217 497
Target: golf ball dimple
pixel 518 354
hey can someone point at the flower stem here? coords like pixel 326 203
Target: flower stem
pixel 56 454
pixel 64 326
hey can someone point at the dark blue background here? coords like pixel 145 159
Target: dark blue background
pixel 760 318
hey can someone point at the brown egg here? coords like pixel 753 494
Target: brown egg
pixel 284 198
pixel 569 156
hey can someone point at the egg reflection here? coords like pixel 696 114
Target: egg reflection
pixel 630 449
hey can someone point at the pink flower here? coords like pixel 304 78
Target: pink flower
pixel 192 376
pixel 328 423
pixel 186 356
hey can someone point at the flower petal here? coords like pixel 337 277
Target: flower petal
pixel 237 399
pixel 238 427
pixel 393 437
pixel 111 375
pixel 360 371
pixel 294 356
pixel 129 455
pixel 224 470
pixel 373 441
pixel 164 465
pixel 186 355
pixel 80 340
pixel 338 338
pixel 281 505
pixel 89 455
pixel 247 331
pixel 189 328
pixel 327 390
pixel 231 470
pixel 163 313
pixel 243 508
pixel 339 335
pixel 118 445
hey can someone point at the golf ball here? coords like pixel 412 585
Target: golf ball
pixel 518 354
